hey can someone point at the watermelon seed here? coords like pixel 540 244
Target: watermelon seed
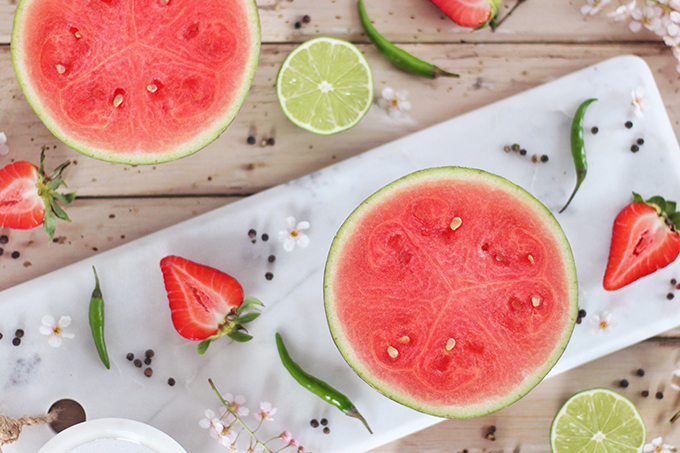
pixel 151 88
pixel 61 68
pixel 535 301
pixel 517 305
pixel 404 340
pixel 455 223
pixel 450 343
pixel 118 100
pixel 531 258
pixel 499 257
pixel 392 352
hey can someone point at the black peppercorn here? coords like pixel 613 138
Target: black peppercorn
pixel 149 353
pixel 640 372
pixel 16 341
pixel 635 148
pixel 306 19
pixel 326 430
pixel 644 393
pixel 19 333
pixel 4 239
pixel 1 251
pixel 171 381
pixel 544 158
pixel 628 124
pixel 130 356
pixel 148 372
pixel 251 140
pixel 323 421
pixel 147 361
pixel 523 152
pixel 271 258
pixel 623 383
pixel 271 141
pixel 0 335
pixel 640 141
pixel 581 313
pixel 659 395
pixel 252 233
pixel 268 275
pixel 673 281
pixel 265 237
pixel 594 130
pixel 670 296
pixel 298 25
pixel 15 254
pixel 138 363
pixel 314 423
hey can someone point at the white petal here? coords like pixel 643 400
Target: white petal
pixel 304 225
pixel 289 244
pixel 204 423
pixel 64 321
pixel 48 320
pixel 4 149
pixel 284 235
pixel 401 95
pixel 46 330
pixel 405 106
pixel 290 221
pixel 54 341
pixel 3 137
pixel 388 93
pixel 635 26
pixel 383 103
pixel 66 334
pixel 302 240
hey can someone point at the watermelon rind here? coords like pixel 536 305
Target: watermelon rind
pixel 344 345
pixel 136 157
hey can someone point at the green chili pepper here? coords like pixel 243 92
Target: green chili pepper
pixel 400 58
pixel 97 321
pixel 317 386
pixel 578 149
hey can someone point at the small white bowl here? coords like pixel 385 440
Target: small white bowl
pixel 112 435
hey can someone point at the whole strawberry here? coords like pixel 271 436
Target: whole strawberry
pixel 644 239
pixel 470 13
pixel 206 303
pixel 29 198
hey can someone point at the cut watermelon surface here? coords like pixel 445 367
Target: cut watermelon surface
pixel 136 81
pixel 452 291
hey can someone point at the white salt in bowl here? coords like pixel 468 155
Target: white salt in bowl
pixel 112 435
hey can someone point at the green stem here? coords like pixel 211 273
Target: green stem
pixel 495 24
pixel 226 405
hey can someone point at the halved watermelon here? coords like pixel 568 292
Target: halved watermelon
pixel 452 291
pixel 136 82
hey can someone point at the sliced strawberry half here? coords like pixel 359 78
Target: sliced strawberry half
pixel 206 303
pixel 28 197
pixel 470 13
pixel 644 239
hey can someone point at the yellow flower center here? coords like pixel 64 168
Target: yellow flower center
pixel 293 233
pixel 395 102
pixel 56 330
pixel 603 325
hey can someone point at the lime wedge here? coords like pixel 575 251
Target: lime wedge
pixel 597 421
pixel 325 85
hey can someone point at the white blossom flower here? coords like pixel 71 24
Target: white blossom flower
pixel 266 411
pixel 394 102
pixel 639 102
pixel 602 322
pixel 294 234
pixel 55 329
pixel 217 430
pixel 593 6
pixel 4 149
pixel 236 404
pixel 623 12
pixel 657 446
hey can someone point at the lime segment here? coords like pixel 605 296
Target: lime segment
pixel 325 85
pixel 597 421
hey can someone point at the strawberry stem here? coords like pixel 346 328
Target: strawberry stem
pixel 494 24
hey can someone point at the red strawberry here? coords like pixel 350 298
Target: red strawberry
pixel 644 239
pixel 206 303
pixel 28 197
pixel 470 13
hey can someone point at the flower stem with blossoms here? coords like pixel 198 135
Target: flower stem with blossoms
pixel 285 436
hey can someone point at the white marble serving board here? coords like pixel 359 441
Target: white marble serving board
pixel 34 375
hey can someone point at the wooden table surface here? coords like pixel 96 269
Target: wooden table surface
pixel 543 40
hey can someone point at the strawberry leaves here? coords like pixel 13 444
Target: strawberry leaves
pixel 47 186
pixel 666 209
pixel 248 311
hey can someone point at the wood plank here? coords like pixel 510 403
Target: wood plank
pixel 525 426
pixel 96 225
pixel 490 72
pixel 419 21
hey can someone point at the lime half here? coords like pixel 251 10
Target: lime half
pixel 325 85
pixel 598 421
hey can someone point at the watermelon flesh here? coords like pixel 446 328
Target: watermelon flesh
pixel 452 291
pixel 136 81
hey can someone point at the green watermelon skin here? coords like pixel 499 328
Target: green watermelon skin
pixel 454 319
pixel 136 81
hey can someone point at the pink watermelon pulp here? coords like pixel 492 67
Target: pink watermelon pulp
pixel 452 291
pixel 136 81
